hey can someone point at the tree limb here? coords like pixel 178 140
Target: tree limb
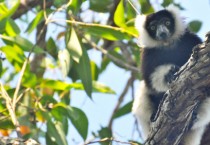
pixel 192 85
pixel 120 100
pixel 27 5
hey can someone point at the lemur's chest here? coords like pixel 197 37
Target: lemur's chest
pixel 158 56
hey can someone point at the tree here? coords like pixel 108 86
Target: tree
pixel 29 99
pixel 185 95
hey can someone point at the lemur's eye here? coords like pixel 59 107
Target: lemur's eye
pixel 152 28
pixel 168 23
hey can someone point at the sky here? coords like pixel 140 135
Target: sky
pixel 100 108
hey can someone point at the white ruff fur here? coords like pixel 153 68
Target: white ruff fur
pixel 158 78
pixel 142 109
pixel 146 41
pixel 203 118
pixel 193 137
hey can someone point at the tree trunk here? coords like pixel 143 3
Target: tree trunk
pixel 176 112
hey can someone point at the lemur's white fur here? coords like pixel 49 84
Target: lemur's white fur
pixel 143 109
pixel 142 106
pixel 146 40
pixel 194 136
pixel 158 78
pixel 203 114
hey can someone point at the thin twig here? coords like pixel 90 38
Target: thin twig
pixel 94 24
pixel 14 101
pixel 134 7
pixel 20 96
pixel 120 100
pixel 111 140
pixel 114 59
pixel 11 109
pixel 15 97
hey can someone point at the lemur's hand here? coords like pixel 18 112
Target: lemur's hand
pixel 170 76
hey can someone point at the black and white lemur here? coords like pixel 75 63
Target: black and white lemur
pixel 166 46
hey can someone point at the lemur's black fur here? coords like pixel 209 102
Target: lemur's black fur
pixel 176 53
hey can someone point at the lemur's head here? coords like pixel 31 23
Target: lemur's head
pixel 160 28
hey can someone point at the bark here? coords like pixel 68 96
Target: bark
pixel 27 5
pixel 179 106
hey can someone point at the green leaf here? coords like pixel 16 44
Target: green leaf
pixel 74 46
pixel 146 7
pixel 105 132
pixel 104 63
pixel 99 87
pixel 13 53
pixel 12 28
pixel 75 6
pixel 166 3
pixel 39 17
pixel 6 124
pixel 29 80
pixel 5 12
pixel 101 5
pixel 52 48
pixel 65 96
pixel 62 86
pixel 59 85
pixel 73 72
pixel 124 110
pixel 84 71
pixel 195 26
pixel 79 120
pixel 119 15
pixel 130 13
pixel 94 70
pixel 76 116
pixel 3 25
pixel 58 111
pixel 55 131
pixel 23 43
pixel 37 20
pixel 49 140
pixel 110 33
pixel 59 3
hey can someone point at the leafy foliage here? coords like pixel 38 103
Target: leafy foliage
pixel 195 26
pixel 62 46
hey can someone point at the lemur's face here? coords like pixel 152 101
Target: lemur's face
pixel 160 25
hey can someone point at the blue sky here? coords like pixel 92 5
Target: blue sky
pixel 199 10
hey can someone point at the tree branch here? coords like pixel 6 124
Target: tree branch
pixel 27 5
pixel 107 140
pixel 175 114
pixel 120 100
